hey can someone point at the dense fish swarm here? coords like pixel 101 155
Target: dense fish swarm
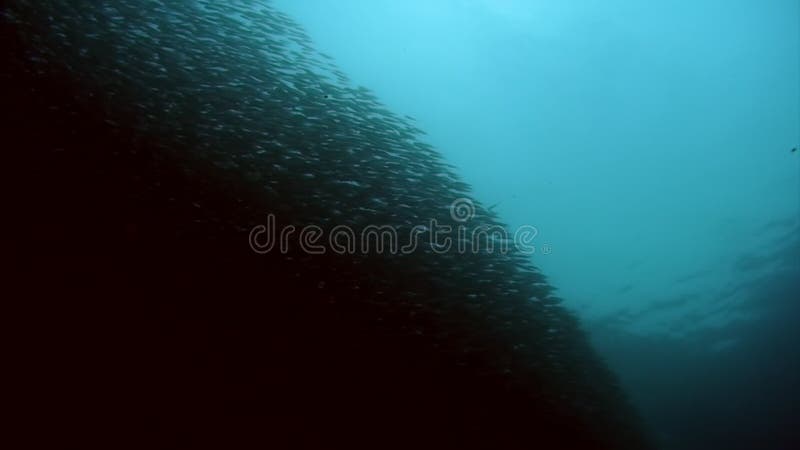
pixel 148 138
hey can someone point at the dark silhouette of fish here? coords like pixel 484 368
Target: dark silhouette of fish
pixel 491 208
pixel 147 139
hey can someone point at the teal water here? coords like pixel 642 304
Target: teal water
pixel 650 145
pixel 649 148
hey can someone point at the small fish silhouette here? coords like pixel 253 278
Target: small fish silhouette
pixel 491 208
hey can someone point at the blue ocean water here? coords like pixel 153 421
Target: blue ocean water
pixel 651 145
pixel 649 150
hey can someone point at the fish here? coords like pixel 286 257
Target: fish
pixel 149 139
pixel 493 206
